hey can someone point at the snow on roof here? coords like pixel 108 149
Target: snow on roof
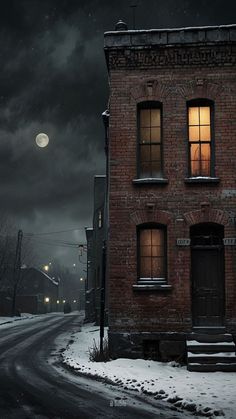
pixel 48 277
pixel 184 28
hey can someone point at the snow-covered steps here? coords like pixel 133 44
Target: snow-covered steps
pixel 211 352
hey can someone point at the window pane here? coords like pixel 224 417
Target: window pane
pixel 205 152
pixel 205 159
pixel 155 152
pixel 145 250
pixel 155 117
pixel 194 133
pixel 205 133
pixel 156 169
pixel 145 155
pixel 145 267
pixel 157 251
pixel 205 115
pixel 145 117
pixel 158 268
pixel 206 170
pixel 145 237
pixel 193 115
pixel 195 159
pixel 157 237
pixel 155 135
pixel 145 135
pixel 145 170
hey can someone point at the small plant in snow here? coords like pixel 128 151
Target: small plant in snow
pixel 95 355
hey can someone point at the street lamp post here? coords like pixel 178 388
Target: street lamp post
pixel 102 303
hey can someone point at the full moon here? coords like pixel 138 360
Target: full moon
pixel 42 140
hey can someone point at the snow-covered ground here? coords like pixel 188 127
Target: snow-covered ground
pixel 6 322
pixel 207 394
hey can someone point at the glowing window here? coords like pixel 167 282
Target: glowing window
pixel 152 254
pixel 200 140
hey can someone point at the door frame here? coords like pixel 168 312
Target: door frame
pixel 221 286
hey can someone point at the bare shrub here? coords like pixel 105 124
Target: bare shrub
pixel 95 355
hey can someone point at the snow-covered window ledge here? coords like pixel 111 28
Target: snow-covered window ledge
pixel 153 287
pixel 148 180
pixel 202 179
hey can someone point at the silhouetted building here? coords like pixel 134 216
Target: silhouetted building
pixel 37 293
pixel 95 237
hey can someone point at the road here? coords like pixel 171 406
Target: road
pixel 33 384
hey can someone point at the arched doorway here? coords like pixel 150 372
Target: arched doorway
pixel 207 274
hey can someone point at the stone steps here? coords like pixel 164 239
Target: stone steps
pixel 211 352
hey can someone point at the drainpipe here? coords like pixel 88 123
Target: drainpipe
pixel 105 117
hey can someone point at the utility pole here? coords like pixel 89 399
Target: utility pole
pixel 17 270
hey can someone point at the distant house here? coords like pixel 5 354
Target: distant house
pixel 95 237
pixel 38 292
pixel 172 196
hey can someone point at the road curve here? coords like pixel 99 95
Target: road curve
pixel 32 387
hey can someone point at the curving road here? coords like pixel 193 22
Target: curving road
pixel 33 385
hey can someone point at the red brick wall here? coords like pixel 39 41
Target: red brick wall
pixel 172 85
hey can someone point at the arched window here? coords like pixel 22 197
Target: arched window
pixel 200 138
pixel 149 140
pixel 151 253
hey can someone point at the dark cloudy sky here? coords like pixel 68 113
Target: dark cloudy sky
pixel 53 79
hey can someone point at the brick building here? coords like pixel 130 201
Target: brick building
pixel 172 189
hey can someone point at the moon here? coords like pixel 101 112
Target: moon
pixel 42 140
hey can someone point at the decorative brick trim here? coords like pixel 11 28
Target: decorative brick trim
pixel 207 215
pixel 200 88
pixel 154 216
pixel 150 90
pixel 155 90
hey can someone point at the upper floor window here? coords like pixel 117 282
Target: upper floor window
pixel 152 253
pixel 200 138
pixel 150 141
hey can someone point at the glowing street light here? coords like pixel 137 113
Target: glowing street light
pixel 58 301
pixel 81 279
pixel 47 299
pixel 46 268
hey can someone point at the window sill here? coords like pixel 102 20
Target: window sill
pixel 152 180
pixel 154 287
pixel 202 179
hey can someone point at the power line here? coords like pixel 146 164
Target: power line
pixel 72 245
pixel 53 232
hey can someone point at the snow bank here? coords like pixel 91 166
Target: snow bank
pixel 207 394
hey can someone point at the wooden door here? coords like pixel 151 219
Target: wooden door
pixel 207 286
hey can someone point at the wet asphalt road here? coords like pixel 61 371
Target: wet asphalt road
pixel 33 384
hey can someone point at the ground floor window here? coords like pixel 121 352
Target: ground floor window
pixel 151 253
